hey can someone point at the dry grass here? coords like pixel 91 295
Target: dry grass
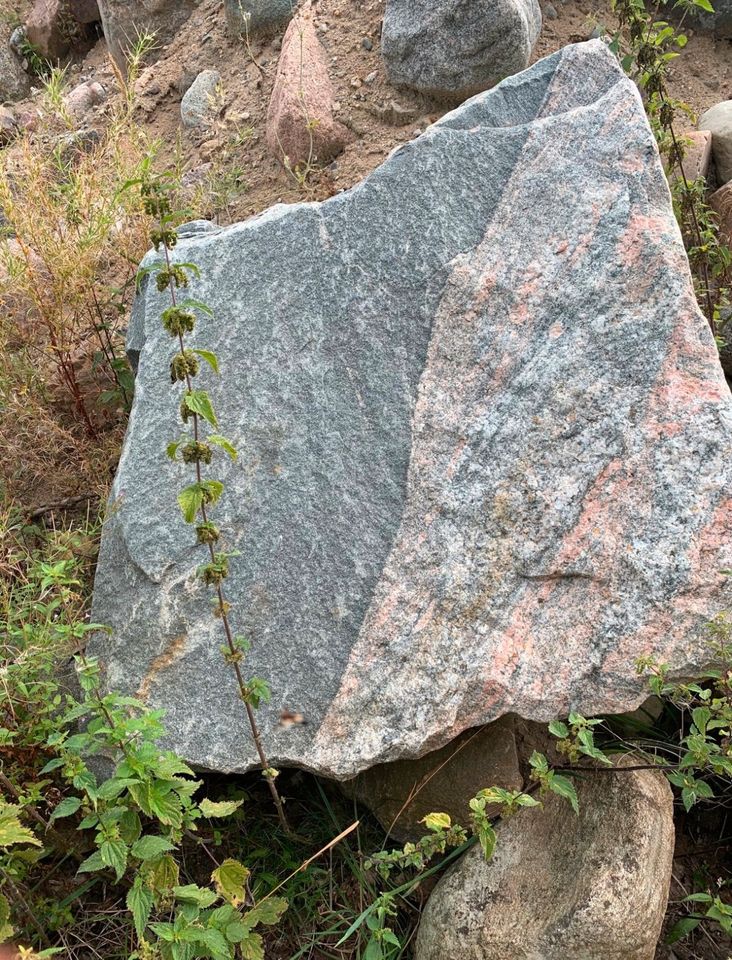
pixel 73 234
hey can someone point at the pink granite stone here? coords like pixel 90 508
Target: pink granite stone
pixel 301 128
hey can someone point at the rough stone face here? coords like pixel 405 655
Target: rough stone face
pixel 256 18
pixel 300 122
pixel 697 154
pixel 486 444
pixel 82 98
pixel 560 886
pixel 199 103
pixel 450 49
pixel 718 121
pixel 14 81
pixel 719 22
pixel 401 793
pixel 50 28
pixel 123 20
pixel 84 11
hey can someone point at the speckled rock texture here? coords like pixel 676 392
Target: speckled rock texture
pixel 201 101
pixel 719 22
pixel 718 121
pixel 301 128
pixel 124 20
pixel 401 793
pixel 451 49
pixel 563 887
pixel 256 18
pixel 14 81
pixel 486 444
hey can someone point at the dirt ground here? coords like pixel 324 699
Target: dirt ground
pixel 231 159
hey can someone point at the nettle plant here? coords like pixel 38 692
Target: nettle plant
pixel 197 448
pixel 134 820
pixel 647 45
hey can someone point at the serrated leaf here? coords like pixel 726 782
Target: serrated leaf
pixel 114 855
pixel 192 893
pixel 172 449
pixel 189 501
pixel 199 402
pixel 268 912
pixel 222 808
pixel 67 807
pixel 230 879
pixel 139 903
pixel 226 445
pixel 252 948
pixel 210 357
pixel 92 863
pixel 163 875
pixel 487 839
pixel 12 830
pixel 564 787
pixel 437 821
pixel 559 729
pixel 150 847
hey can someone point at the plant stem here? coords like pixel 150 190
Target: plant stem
pixel 243 693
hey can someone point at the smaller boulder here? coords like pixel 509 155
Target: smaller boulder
pixel 257 18
pixel 719 22
pixel 301 127
pixel 50 28
pixel 84 11
pixel 81 99
pixel 201 101
pixel 8 126
pixel 14 81
pixel 401 793
pixel 718 121
pixel 560 886
pixel 697 154
pixel 450 49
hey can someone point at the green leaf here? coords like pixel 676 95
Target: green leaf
pixel 210 357
pixel 12 830
pixel 172 449
pixel 487 839
pixel 437 821
pixel 564 787
pixel 223 808
pixel 682 928
pixel 252 948
pixel 268 912
pixel 92 863
pixel 166 931
pixel 230 879
pixel 65 809
pixel 226 445
pixel 190 501
pixel 139 903
pixel 199 402
pixel 559 729
pixel 163 874
pixel 114 855
pixel 150 847
pixel 192 893
pixel 704 5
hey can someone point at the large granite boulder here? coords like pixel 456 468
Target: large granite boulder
pixel 486 444
pixel 450 49
pixel 563 887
